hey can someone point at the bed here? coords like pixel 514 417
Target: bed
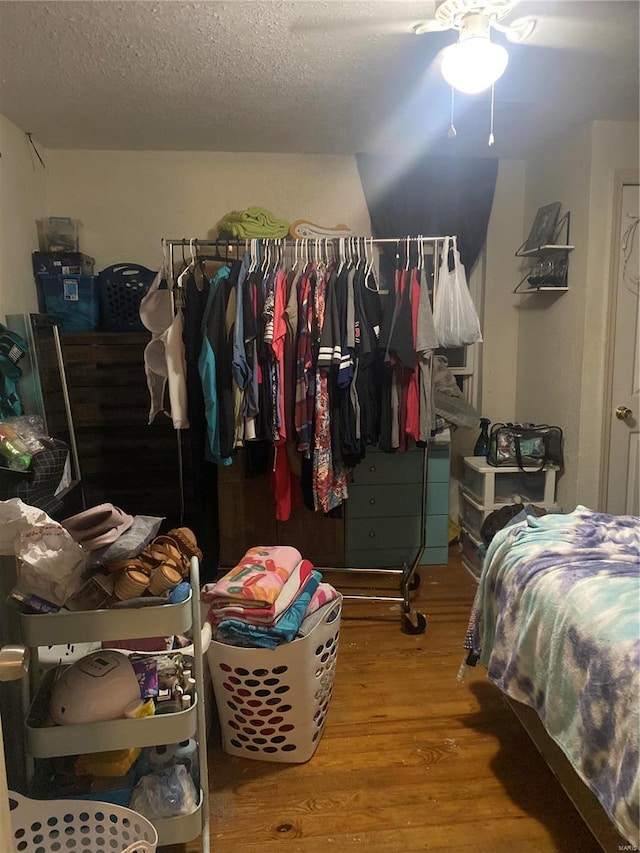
pixel 556 623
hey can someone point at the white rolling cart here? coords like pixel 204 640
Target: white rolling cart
pixel 40 630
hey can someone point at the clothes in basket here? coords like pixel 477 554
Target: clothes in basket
pixel 273 703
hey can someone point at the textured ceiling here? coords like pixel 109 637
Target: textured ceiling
pixel 326 77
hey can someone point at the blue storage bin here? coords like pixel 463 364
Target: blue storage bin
pixel 73 300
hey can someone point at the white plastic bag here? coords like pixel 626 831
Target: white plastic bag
pixel 51 563
pixel 167 793
pixel 454 315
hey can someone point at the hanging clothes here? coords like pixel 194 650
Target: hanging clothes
pixel 164 357
pixel 309 361
pixel 329 479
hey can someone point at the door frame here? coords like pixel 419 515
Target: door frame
pixel 621 177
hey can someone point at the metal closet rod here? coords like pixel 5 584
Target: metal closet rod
pixel 185 241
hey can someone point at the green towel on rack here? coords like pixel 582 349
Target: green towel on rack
pixel 253 222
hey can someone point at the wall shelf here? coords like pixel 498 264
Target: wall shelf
pixel 548 249
pixel 549 263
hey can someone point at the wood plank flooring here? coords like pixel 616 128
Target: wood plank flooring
pixel 410 760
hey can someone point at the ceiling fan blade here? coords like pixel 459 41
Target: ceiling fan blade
pixel 362 26
pixel 568 33
pixel 429 26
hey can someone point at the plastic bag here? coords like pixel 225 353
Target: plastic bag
pixel 454 315
pixel 167 793
pixel 51 563
pixel 448 399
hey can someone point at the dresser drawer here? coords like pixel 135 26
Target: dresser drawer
pixel 437 498
pixel 376 533
pixel 439 464
pixel 437 531
pixel 379 558
pixel 378 467
pixel 382 501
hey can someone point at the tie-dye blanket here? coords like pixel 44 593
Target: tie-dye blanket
pixel 556 622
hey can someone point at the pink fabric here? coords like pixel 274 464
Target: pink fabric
pixel 265 615
pixel 324 593
pixel 258 579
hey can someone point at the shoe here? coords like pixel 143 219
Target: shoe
pixel 136 578
pixel 99 526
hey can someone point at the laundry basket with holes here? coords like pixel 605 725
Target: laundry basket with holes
pixel 59 826
pixel 122 288
pixel 273 703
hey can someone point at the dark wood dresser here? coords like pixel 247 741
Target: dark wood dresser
pixel 124 460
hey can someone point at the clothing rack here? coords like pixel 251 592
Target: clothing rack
pixel 326 249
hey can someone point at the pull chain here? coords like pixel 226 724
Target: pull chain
pixel 493 101
pixel 452 132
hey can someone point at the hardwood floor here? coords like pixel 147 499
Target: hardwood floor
pixel 411 759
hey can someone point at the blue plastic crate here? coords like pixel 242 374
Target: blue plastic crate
pixel 73 300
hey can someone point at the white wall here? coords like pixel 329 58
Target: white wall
pixel 500 312
pixel 501 305
pixel 562 337
pixel 23 199
pixel 128 200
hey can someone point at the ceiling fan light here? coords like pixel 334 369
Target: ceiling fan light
pixel 473 65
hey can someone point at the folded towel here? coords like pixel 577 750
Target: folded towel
pixel 253 222
pixel 312 620
pixel 324 593
pixel 292 588
pixel 258 579
pixel 235 632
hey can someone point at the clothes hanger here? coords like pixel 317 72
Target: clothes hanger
pixel 369 272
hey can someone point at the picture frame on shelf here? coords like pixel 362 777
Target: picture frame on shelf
pixel 544 226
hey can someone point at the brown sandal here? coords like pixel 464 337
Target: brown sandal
pixel 187 540
pixel 165 549
pixel 140 575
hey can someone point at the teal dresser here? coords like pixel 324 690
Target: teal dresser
pixel 382 520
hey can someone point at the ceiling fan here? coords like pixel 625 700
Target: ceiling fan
pixel 474 62
pixel 455 14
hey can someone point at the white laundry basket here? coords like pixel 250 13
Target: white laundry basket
pixel 60 826
pixel 272 703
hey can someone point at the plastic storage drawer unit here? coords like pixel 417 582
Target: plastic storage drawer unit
pixel 490 485
pixel 471 514
pixel 473 552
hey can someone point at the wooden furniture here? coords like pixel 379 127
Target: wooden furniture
pixel 383 513
pixel 485 488
pixel 381 525
pixel 123 459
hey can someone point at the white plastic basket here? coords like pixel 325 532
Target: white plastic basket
pixel 272 703
pixel 78 826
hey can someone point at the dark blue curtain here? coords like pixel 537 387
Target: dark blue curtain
pixel 433 196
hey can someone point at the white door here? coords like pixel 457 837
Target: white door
pixel 624 444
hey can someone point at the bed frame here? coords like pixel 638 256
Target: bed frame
pixel 582 798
